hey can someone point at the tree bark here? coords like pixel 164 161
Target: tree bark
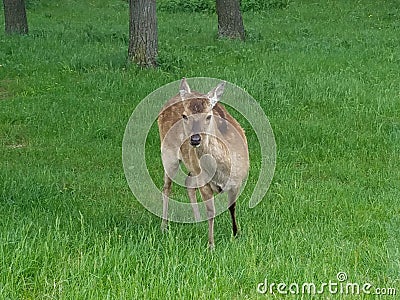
pixel 143 40
pixel 230 22
pixel 15 17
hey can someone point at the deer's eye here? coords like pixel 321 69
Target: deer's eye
pixel 208 118
pixel 184 117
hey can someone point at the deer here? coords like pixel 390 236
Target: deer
pixel 196 130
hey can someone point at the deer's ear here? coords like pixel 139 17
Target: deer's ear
pixel 215 94
pixel 184 88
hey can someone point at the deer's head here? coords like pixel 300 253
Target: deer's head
pixel 198 114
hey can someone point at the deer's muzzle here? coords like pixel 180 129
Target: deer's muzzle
pixel 195 140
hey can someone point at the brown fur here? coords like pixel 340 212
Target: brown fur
pixel 222 137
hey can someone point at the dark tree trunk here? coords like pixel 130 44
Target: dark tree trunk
pixel 143 42
pixel 230 22
pixel 15 17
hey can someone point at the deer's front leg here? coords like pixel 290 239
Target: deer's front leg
pixel 165 197
pixel 171 166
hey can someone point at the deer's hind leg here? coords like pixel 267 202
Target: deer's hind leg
pixel 232 195
pixel 208 197
pixel 192 196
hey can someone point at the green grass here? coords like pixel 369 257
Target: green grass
pixel 327 76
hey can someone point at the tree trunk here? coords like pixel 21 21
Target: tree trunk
pixel 143 41
pixel 230 22
pixel 15 17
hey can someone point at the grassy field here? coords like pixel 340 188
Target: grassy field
pixel 327 76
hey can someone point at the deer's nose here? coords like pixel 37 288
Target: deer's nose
pixel 195 140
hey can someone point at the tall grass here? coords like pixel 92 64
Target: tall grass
pixel 326 75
